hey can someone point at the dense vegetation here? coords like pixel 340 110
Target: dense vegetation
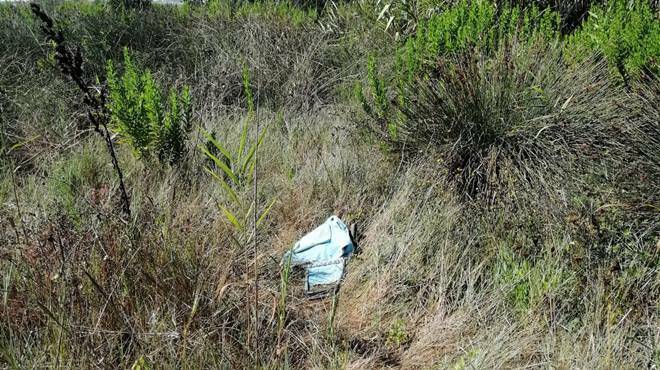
pixel 501 158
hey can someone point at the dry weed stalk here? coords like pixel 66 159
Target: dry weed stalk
pixel 71 64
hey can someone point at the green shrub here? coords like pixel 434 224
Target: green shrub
pixel 529 284
pixel 233 166
pixel 627 33
pixel 377 104
pixel 403 17
pixel 141 116
pixel 397 335
pixel 476 26
pixel 513 274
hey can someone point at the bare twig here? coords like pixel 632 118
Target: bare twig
pixel 71 64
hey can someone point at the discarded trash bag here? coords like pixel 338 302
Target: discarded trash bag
pixel 323 252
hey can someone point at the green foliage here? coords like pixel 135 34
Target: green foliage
pixel 397 335
pixel 143 118
pixel 627 33
pixel 128 5
pixel 236 164
pixel 514 275
pixel 141 364
pixel 377 105
pixel 172 134
pixel 487 109
pixel 529 284
pixel 475 26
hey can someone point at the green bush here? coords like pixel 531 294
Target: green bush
pixel 143 118
pixel 627 33
pixel 477 26
pixel 376 103
pixel 472 68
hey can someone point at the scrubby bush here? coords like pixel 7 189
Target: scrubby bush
pixel 404 17
pixel 627 33
pixel 477 26
pixel 140 115
pixel 473 67
pixel 379 109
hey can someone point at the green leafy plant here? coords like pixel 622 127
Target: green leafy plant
pixel 474 25
pixel 232 169
pixel 397 334
pixel 376 103
pixel 627 33
pixel 530 284
pixel 141 116
pixel 514 276
pixel 233 165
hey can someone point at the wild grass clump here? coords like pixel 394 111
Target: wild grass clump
pixel 519 121
pixel 474 28
pixel 143 118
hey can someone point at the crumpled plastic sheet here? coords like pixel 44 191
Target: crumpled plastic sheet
pixel 323 252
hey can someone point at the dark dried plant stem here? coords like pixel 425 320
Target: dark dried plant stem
pixel 70 63
pixel 126 205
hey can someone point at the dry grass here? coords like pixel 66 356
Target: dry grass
pixel 439 281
